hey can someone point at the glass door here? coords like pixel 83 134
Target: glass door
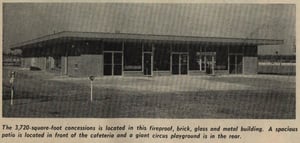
pixel 235 64
pixel 207 63
pixel 239 64
pixel 183 64
pixel 147 64
pixel 179 63
pixel 107 63
pixel 175 63
pixel 117 66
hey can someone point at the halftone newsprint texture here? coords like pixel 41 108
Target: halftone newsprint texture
pixel 149 72
pixel 205 61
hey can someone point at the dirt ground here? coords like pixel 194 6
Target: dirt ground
pixel 42 94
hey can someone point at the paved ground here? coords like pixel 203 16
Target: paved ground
pixel 41 94
pixel 160 84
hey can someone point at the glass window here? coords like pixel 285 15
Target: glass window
pixel 210 48
pixel 112 46
pixel 132 57
pixel 179 48
pixel 194 58
pixel 221 58
pixel 117 63
pixel 250 51
pixel 147 47
pixel 236 49
pixel 91 47
pixel 175 63
pixel 161 57
pixel 107 58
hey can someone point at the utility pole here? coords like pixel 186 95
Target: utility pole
pixel 92 79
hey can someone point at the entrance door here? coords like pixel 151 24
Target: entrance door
pixel 180 63
pixel 210 64
pixel 112 63
pixel 235 64
pixel 148 64
pixel 117 66
pixel 183 64
pixel 207 62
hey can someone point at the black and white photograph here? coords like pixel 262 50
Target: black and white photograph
pixel 149 60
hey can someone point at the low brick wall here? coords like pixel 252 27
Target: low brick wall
pixel 250 65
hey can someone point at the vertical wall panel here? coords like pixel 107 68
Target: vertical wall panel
pixel 250 65
pixel 91 65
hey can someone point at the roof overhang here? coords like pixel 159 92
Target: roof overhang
pixel 70 35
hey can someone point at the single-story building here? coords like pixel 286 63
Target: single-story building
pixel 117 54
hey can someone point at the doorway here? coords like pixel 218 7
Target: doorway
pixel 147 64
pixel 179 63
pixel 207 63
pixel 113 63
pixel 235 64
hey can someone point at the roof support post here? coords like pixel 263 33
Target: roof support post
pixel 123 56
pixel 228 59
pixel 66 62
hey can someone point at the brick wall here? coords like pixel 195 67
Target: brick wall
pixel 91 65
pixel 250 60
pixel 250 65
pixel 73 65
pixel 84 65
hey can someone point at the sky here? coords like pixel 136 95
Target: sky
pixel 25 21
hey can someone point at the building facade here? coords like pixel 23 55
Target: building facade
pixel 124 54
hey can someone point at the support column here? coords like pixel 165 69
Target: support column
pixel 143 57
pixel 66 63
pixel 151 63
pixel 171 57
pixel 152 58
pixel 213 65
pixel 205 62
pixel 200 64
pixel 179 64
pixel 228 60
pixel 188 59
pixel 123 56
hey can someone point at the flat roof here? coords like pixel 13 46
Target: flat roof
pixel 73 35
